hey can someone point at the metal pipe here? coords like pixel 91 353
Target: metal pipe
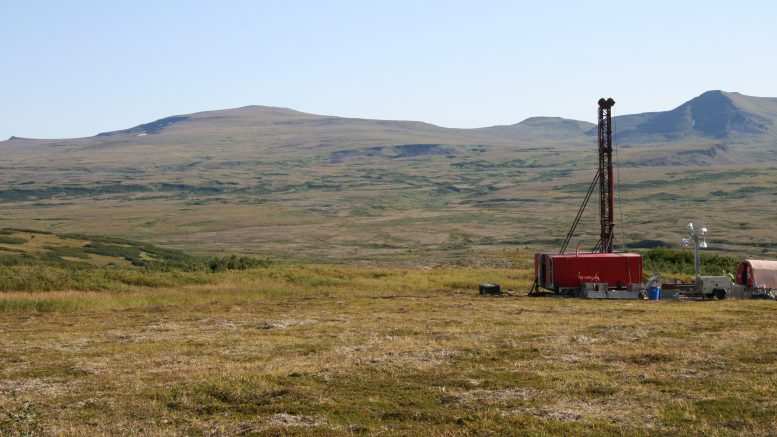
pixel 696 257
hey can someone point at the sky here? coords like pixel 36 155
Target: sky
pixel 77 68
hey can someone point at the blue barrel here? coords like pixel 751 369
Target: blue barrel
pixel 654 293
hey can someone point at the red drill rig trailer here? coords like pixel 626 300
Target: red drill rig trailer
pixel 569 272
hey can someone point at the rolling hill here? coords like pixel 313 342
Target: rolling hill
pixel 728 117
pixel 713 118
pixel 290 184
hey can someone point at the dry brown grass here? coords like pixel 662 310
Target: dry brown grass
pixel 341 350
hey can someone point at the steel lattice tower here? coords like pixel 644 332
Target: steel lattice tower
pixel 606 198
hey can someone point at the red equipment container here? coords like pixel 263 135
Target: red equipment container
pixel 559 272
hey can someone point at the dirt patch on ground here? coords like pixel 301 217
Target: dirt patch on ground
pixel 33 388
pixel 492 396
pixel 280 420
pixel 560 414
pixel 283 324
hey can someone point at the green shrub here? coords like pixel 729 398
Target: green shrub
pixel 234 262
pixel 26 272
pixel 151 266
pixel 5 239
pixel 130 253
pixel 674 261
pixel 60 251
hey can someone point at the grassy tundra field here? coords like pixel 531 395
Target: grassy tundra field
pixel 352 307
pixel 285 349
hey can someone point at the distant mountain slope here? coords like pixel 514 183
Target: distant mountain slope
pixel 714 128
pixel 258 118
pixel 261 133
pixel 548 128
pixel 713 115
pixel 267 119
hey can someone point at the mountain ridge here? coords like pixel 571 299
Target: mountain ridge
pixel 715 114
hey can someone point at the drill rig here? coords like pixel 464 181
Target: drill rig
pixel 601 273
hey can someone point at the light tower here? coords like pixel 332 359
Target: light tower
pixel 699 240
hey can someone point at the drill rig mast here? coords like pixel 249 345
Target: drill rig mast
pixel 606 198
pixel 606 185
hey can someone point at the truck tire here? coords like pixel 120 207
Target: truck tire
pixel 719 293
